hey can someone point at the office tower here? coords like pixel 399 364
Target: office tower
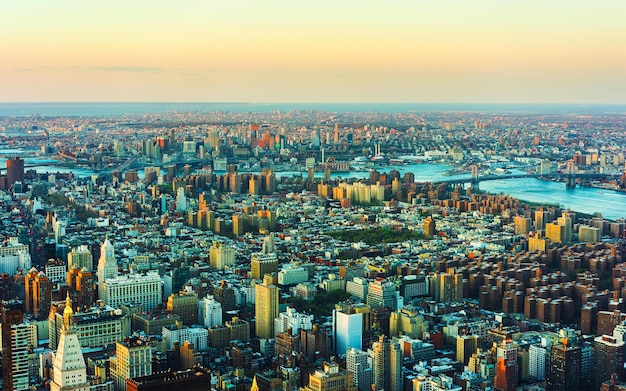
pixel 386 365
pixel 292 320
pixel 107 266
pixel 407 321
pixel 70 371
pixel 15 171
pixel 210 312
pixel 522 225
pixel 357 363
pixel 382 294
pixel 566 221
pixel 198 336
pixel 263 263
pixel 238 329
pixel 539 359
pixel 565 363
pixel 133 358
pixel 347 329
pixel 336 134
pixel 95 326
pixel 225 295
pixel 221 256
pixel 266 308
pixel 330 378
pixel 15 347
pixel 80 257
pixel 181 200
pixel 13 256
pixel 38 293
pixel 466 345
pixel 185 305
pixel 447 287
pixel 609 359
pixel 316 343
pixel 81 285
pixel 506 367
pixel 144 289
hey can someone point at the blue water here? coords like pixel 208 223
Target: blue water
pixel 141 108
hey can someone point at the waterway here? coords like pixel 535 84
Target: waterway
pixel 611 204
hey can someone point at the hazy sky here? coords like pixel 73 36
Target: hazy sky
pixel 561 51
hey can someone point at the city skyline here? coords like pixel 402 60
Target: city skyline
pixel 400 51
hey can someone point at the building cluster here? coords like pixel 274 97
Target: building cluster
pixel 241 281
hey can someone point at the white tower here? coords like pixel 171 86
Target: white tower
pixel 107 265
pixel 70 371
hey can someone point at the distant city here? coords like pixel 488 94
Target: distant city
pixel 312 247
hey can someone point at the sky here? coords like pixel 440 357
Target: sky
pixel 492 51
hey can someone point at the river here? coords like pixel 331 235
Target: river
pixel 611 204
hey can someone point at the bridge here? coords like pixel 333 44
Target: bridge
pixel 568 178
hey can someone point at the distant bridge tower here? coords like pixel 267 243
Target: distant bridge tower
pixel 570 180
pixel 475 180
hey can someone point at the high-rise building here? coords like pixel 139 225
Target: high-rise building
pixel 447 287
pixel 70 371
pixel 564 374
pixel 506 367
pixel 81 285
pixel 80 257
pixel 381 294
pixel 263 263
pixel 95 326
pixel 266 307
pixel 221 256
pixel 357 363
pixel 15 345
pixel 522 225
pixel 386 365
pixel 347 330
pixel 539 360
pixel 133 358
pixel 13 256
pixel 38 293
pixel 107 266
pixel 210 311
pixel 185 305
pixel 15 171
pixel 466 345
pixel 407 321
pixel 292 319
pixel 144 289
pixel 609 359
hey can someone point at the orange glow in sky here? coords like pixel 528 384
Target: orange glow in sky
pixel 560 51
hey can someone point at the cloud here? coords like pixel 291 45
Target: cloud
pixel 123 68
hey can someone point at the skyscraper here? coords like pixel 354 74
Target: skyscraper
pixel 382 295
pixel 15 171
pixel 70 371
pixel 133 358
pixel 266 308
pixel 221 256
pixel 357 363
pixel 506 367
pixel 387 365
pixel 609 359
pixel 107 266
pixel 564 374
pixel 38 289
pixel 14 347
pixel 80 257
